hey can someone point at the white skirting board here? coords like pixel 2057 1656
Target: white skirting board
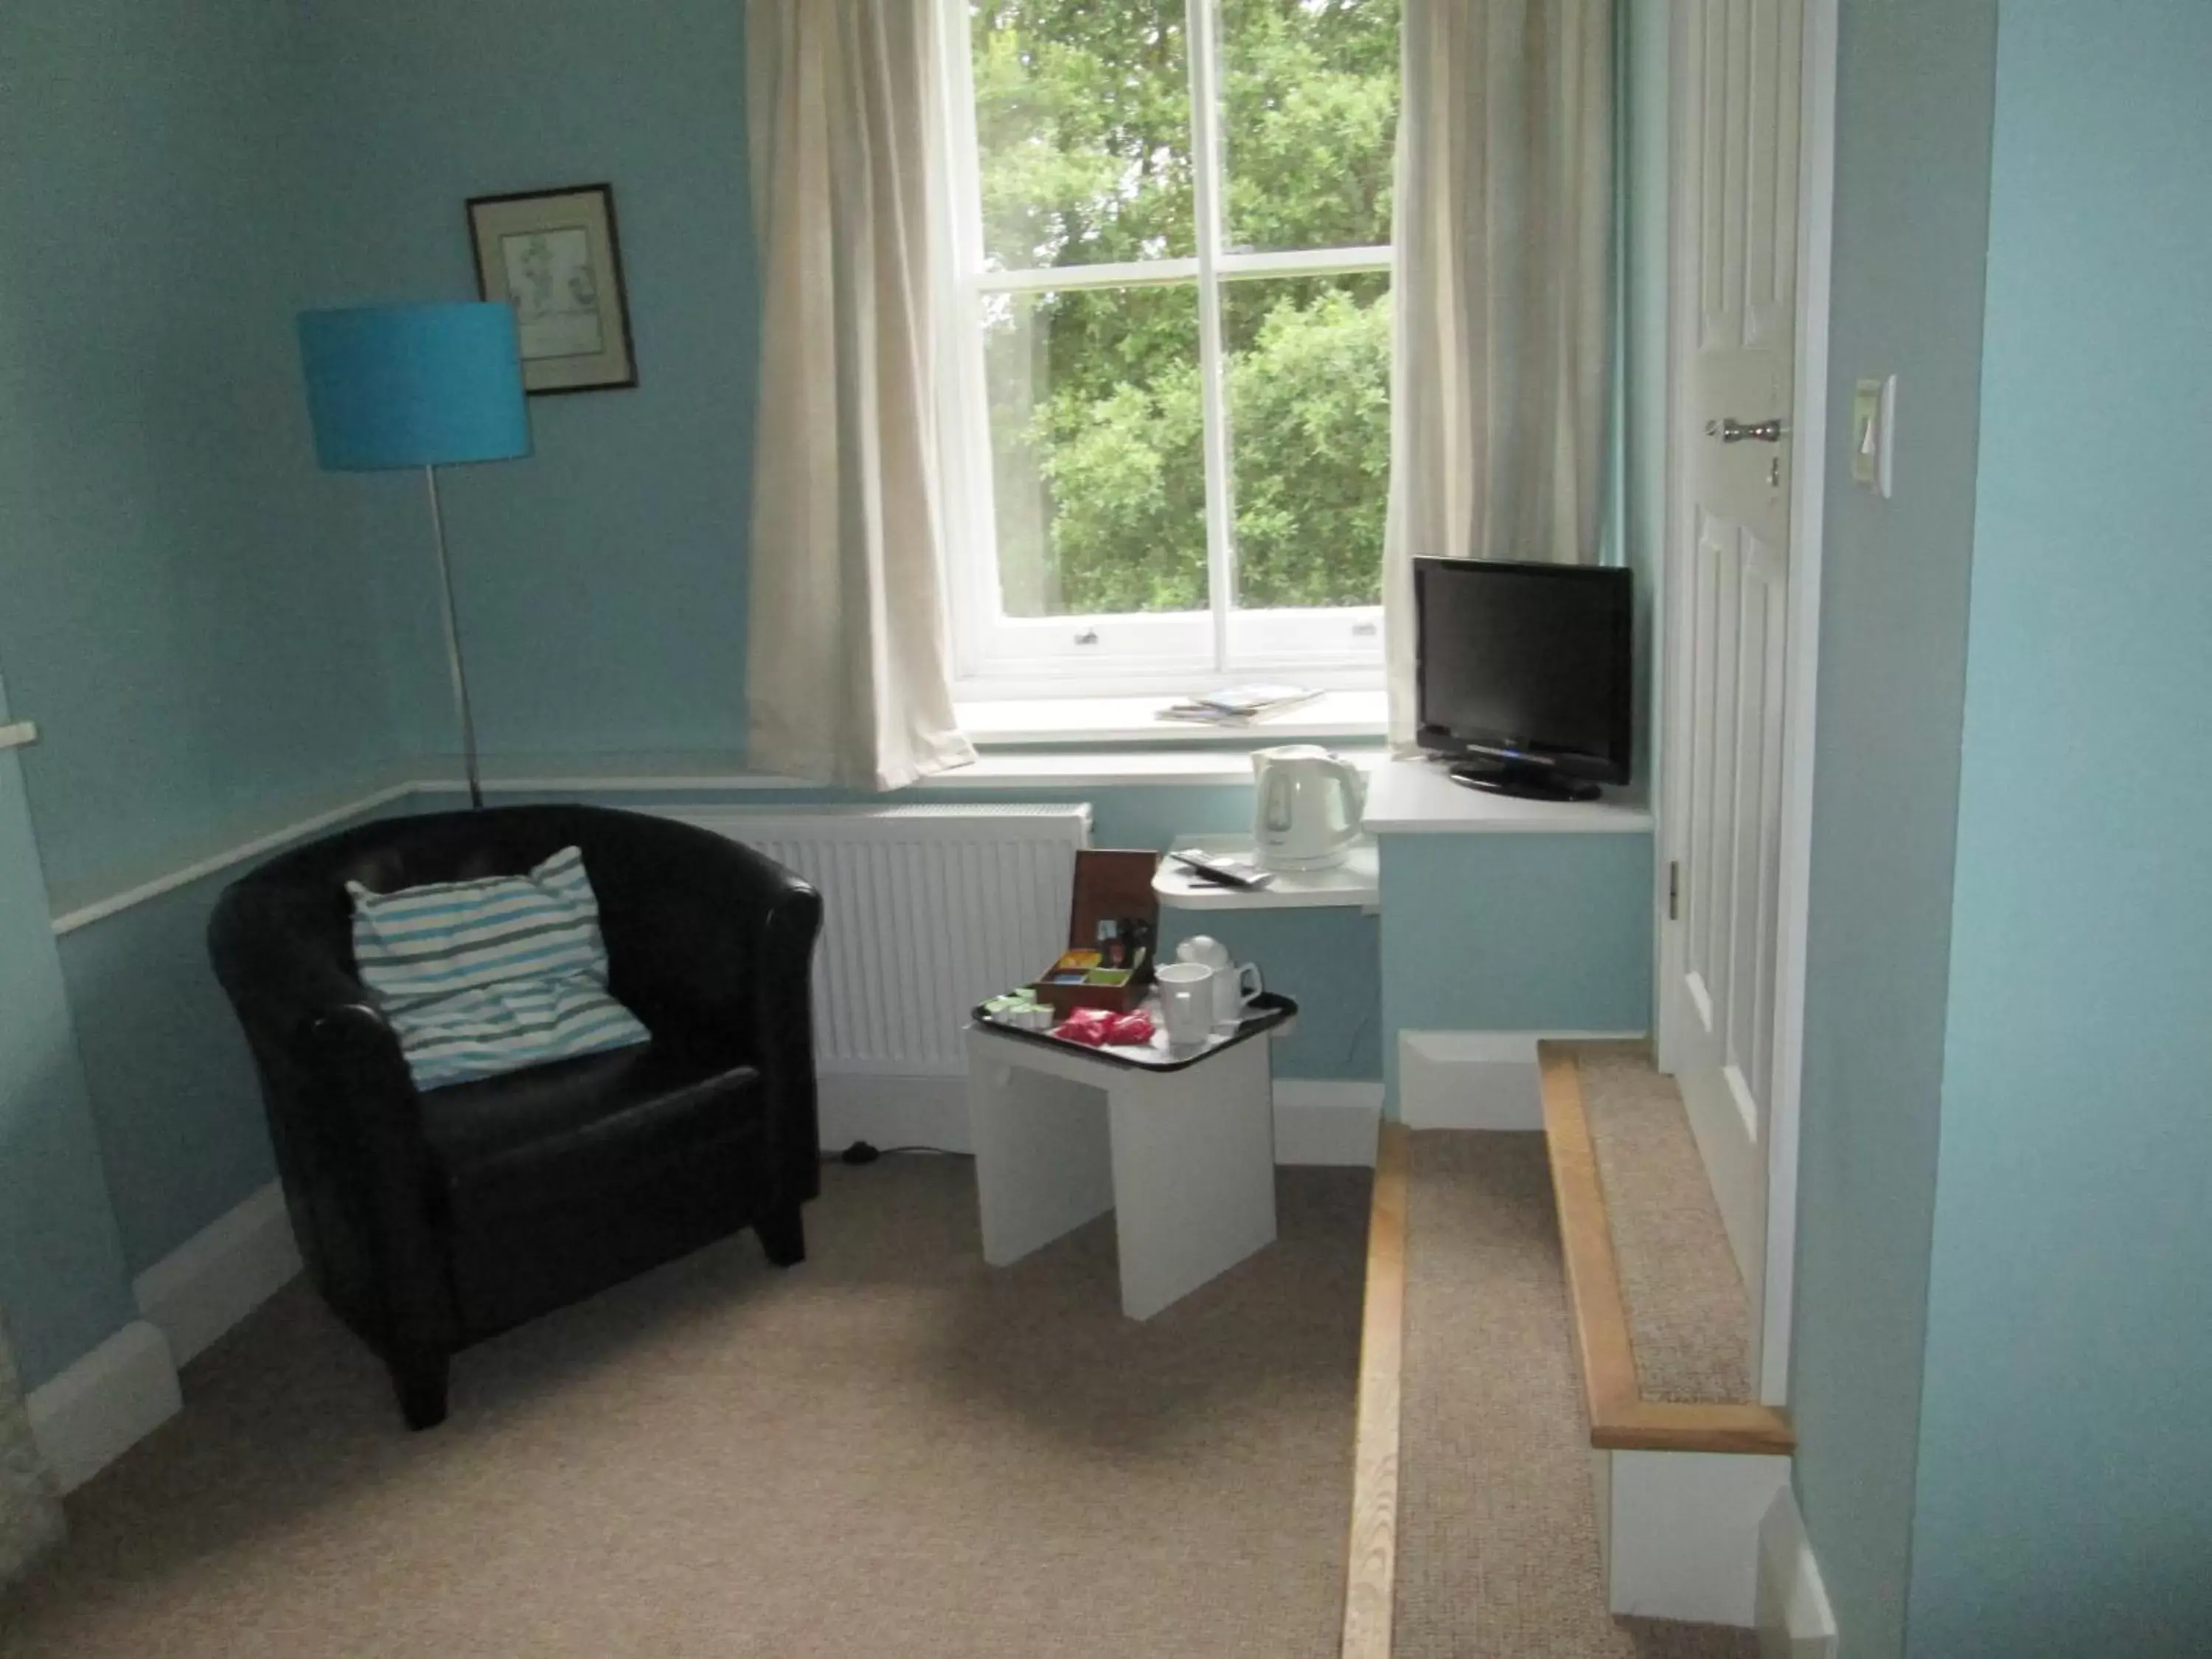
pixel 1681 1532
pixel 105 1404
pixel 1794 1620
pixel 1331 1122
pixel 127 1387
pixel 1316 1121
pixel 891 1111
pixel 1475 1079
pixel 222 1274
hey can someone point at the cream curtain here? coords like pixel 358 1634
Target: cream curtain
pixel 30 1514
pixel 848 666
pixel 1503 294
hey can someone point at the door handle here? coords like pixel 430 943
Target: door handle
pixel 1730 430
pixel 19 734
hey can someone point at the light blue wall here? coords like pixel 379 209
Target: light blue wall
pixel 197 645
pixel 2065 1483
pixel 602 583
pixel 1325 961
pixel 199 650
pixel 180 1115
pixel 62 1284
pixel 216 638
pixel 179 1112
pixel 1515 933
pixel 1913 113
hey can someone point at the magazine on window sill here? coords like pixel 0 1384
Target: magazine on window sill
pixel 1238 705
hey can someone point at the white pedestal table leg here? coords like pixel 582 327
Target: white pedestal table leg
pixel 1043 1164
pixel 1193 1173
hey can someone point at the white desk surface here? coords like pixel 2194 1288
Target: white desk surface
pixel 1356 881
pixel 1412 797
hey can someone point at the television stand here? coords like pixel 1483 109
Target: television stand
pixel 1525 782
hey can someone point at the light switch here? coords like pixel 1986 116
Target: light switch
pixel 1874 421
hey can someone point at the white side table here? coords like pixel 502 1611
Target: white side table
pixel 1184 1156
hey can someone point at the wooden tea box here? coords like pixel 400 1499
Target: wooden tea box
pixel 1113 935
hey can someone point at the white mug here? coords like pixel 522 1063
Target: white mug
pixel 1186 1002
pixel 1234 988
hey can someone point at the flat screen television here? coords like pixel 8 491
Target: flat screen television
pixel 1524 671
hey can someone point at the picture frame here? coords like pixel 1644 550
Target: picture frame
pixel 556 256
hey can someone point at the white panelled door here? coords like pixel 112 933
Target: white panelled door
pixel 1735 181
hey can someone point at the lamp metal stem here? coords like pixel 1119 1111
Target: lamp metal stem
pixel 454 644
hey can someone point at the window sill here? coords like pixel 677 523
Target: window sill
pixel 1068 722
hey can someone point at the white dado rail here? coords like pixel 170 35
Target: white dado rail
pixel 676 775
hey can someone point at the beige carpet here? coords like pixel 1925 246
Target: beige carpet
pixel 892 1452
pixel 30 1514
pixel 1687 1318
pixel 1497 1524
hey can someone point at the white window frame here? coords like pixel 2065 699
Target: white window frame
pixel 1000 656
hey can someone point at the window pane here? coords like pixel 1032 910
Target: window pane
pixel 1083 130
pixel 1097 457
pixel 1310 421
pixel 1310 91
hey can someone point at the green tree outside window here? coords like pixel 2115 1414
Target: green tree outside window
pixel 1084 133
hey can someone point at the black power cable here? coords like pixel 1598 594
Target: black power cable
pixel 861 1151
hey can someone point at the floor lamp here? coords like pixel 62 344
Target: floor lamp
pixel 393 386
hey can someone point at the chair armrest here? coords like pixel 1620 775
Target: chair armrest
pixel 708 939
pixel 373 1120
pixel 343 1106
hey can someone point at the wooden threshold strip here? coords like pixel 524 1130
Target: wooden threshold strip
pixel 1620 1419
pixel 1370 1561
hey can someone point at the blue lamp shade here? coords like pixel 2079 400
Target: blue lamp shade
pixel 414 385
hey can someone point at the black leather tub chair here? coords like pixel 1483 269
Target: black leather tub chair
pixel 432 1221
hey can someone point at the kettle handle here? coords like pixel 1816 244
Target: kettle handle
pixel 1355 788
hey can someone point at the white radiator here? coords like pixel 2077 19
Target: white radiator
pixel 926 910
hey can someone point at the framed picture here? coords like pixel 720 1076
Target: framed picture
pixel 553 255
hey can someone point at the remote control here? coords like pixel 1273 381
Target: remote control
pixel 1224 872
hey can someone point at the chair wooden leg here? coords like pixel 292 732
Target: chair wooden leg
pixel 782 1237
pixel 420 1380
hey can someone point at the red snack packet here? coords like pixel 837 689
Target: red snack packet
pixel 1134 1029
pixel 1089 1026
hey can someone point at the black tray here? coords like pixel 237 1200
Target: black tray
pixel 1261 1015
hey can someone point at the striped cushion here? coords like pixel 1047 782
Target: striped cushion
pixel 480 977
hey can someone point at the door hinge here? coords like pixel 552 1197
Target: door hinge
pixel 1673 890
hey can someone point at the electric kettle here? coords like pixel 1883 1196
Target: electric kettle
pixel 1306 807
